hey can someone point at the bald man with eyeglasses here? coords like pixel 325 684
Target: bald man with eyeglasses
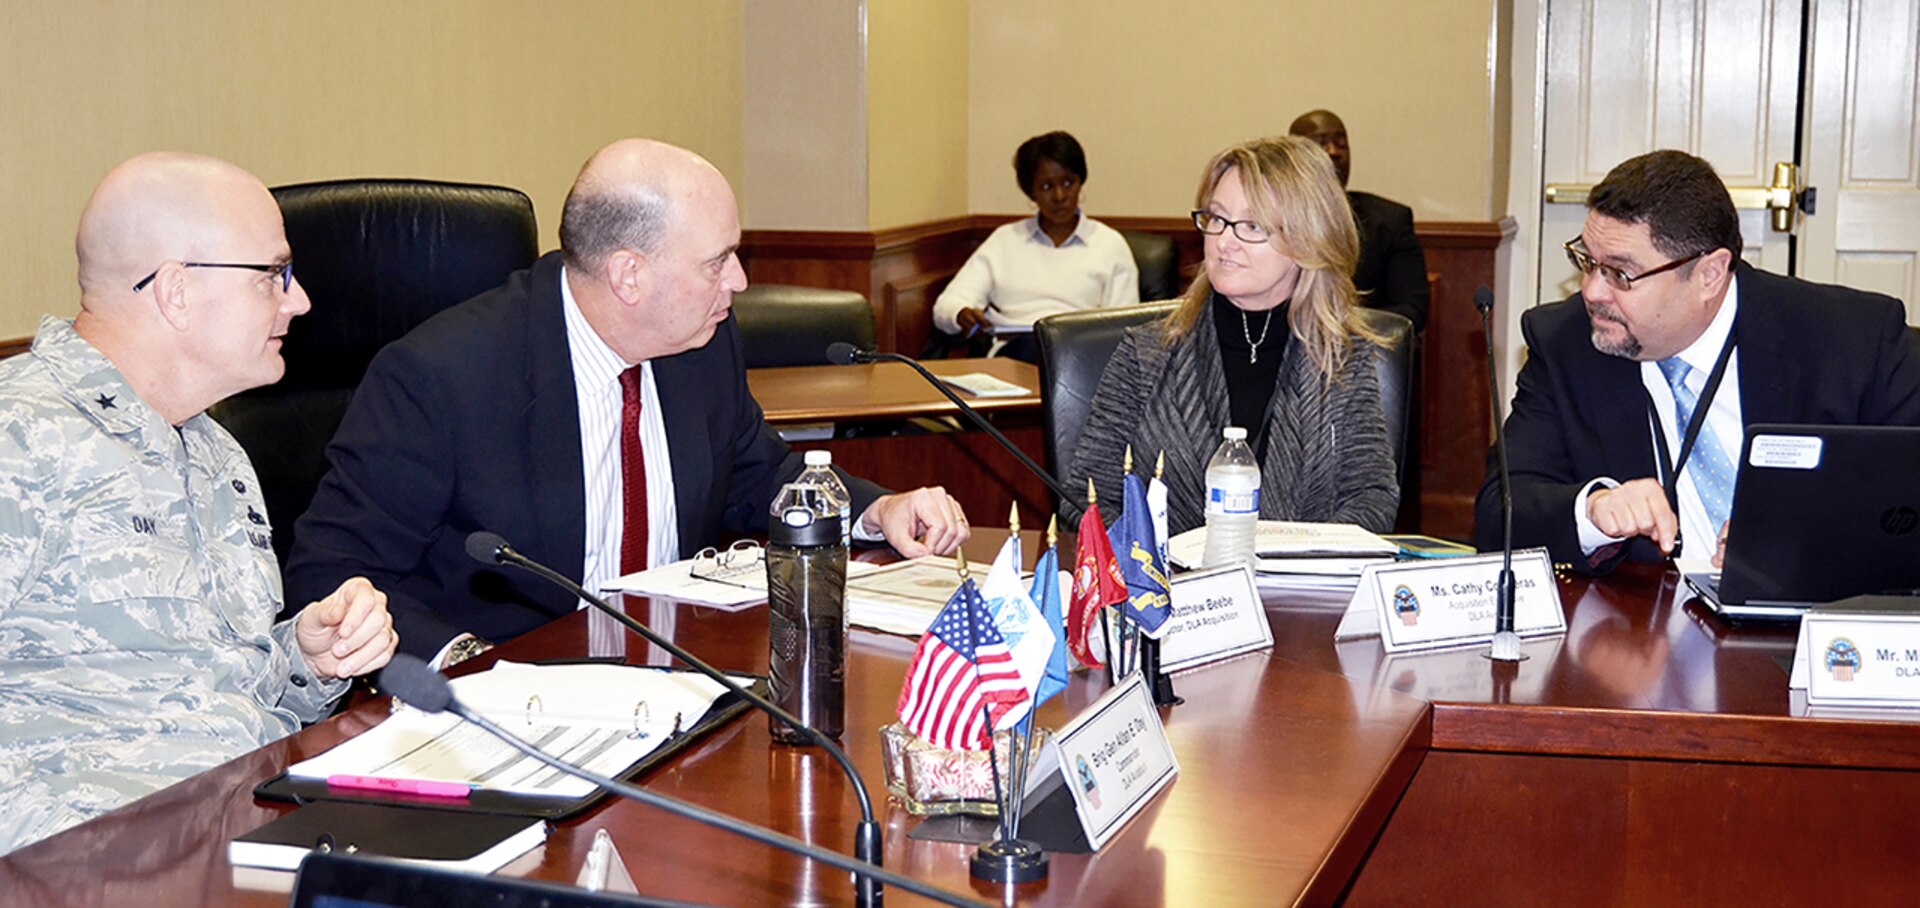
pixel 138 585
pixel 1630 414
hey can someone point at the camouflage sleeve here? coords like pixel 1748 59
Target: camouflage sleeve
pixel 307 695
pixel 22 510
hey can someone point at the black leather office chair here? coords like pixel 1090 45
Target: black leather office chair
pixel 1159 263
pixel 782 325
pixel 1075 347
pixel 1394 367
pixel 377 257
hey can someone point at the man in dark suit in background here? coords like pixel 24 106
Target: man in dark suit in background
pixel 1614 375
pixel 593 410
pixel 1392 273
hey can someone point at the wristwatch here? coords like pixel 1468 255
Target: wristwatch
pixel 465 648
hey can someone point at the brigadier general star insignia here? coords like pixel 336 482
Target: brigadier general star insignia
pixel 106 402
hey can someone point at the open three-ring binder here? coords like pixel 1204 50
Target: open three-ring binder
pixel 616 720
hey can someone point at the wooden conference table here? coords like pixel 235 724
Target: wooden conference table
pixel 1648 757
pixel 871 401
pixel 1287 774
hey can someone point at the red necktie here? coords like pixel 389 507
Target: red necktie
pixel 633 477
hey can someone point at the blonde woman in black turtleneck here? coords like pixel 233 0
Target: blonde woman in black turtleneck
pixel 1267 338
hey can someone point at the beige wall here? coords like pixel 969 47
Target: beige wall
pixel 917 112
pixel 827 114
pixel 496 91
pixel 805 131
pixel 1153 89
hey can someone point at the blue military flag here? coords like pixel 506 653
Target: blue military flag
pixel 1029 637
pixel 1046 594
pixel 1141 564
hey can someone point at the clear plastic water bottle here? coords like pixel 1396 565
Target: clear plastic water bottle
pixel 819 474
pixel 806 612
pixel 1233 501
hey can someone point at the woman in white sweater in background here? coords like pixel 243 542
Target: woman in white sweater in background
pixel 1059 260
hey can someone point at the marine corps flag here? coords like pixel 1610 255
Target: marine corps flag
pixel 1096 582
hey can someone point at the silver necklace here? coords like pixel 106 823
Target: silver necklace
pixel 1246 327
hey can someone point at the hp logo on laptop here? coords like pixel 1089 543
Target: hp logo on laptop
pixel 1899 520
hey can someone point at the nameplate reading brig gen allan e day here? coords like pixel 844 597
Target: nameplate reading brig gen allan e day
pixel 1859 659
pixel 1416 605
pixel 1216 615
pixel 1114 757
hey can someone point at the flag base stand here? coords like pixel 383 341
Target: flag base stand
pixel 1009 863
pixel 1158 681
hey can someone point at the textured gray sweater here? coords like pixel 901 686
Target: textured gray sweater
pixel 1327 456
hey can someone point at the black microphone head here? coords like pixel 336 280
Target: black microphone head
pixel 841 353
pixel 1483 299
pixel 418 686
pixel 486 547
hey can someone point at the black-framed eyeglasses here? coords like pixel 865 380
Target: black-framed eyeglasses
pixel 1213 225
pixel 284 269
pixel 1617 279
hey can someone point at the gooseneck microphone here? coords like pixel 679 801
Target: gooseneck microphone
pixel 1506 643
pixel 841 353
pixel 409 678
pixel 491 548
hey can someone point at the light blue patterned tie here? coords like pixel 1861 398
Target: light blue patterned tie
pixel 1708 465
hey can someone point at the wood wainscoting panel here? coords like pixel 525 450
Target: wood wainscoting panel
pixel 1522 829
pixel 1453 422
pixel 902 270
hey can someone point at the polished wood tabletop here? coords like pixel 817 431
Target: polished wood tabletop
pixel 885 390
pixel 1644 670
pixel 1287 775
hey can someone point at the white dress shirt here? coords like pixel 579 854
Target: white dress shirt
pixel 1018 276
pixel 1723 419
pixel 596 381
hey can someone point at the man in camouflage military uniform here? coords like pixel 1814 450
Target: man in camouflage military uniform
pixel 138 587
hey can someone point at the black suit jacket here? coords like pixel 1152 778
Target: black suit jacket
pixel 1809 353
pixel 470 423
pixel 1392 273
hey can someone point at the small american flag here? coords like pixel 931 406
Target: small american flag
pixel 962 676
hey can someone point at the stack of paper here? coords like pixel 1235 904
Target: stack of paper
pixel 980 384
pixel 1311 554
pixel 902 598
pixel 738 591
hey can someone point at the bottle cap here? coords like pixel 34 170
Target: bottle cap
pixel 1235 433
pixel 819 458
pixel 800 526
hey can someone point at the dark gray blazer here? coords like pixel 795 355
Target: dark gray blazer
pixel 1327 455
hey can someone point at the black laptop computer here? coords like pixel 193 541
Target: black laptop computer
pixel 1820 513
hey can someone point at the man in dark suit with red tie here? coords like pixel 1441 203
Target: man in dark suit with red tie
pixel 593 411
pixel 1670 325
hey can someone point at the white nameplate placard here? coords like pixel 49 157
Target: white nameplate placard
pixel 1114 757
pixel 1216 614
pixel 1858 659
pixel 1413 605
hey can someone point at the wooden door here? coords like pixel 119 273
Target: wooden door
pixel 1863 148
pixel 1716 78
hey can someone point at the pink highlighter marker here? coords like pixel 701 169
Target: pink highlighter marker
pixel 401 786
